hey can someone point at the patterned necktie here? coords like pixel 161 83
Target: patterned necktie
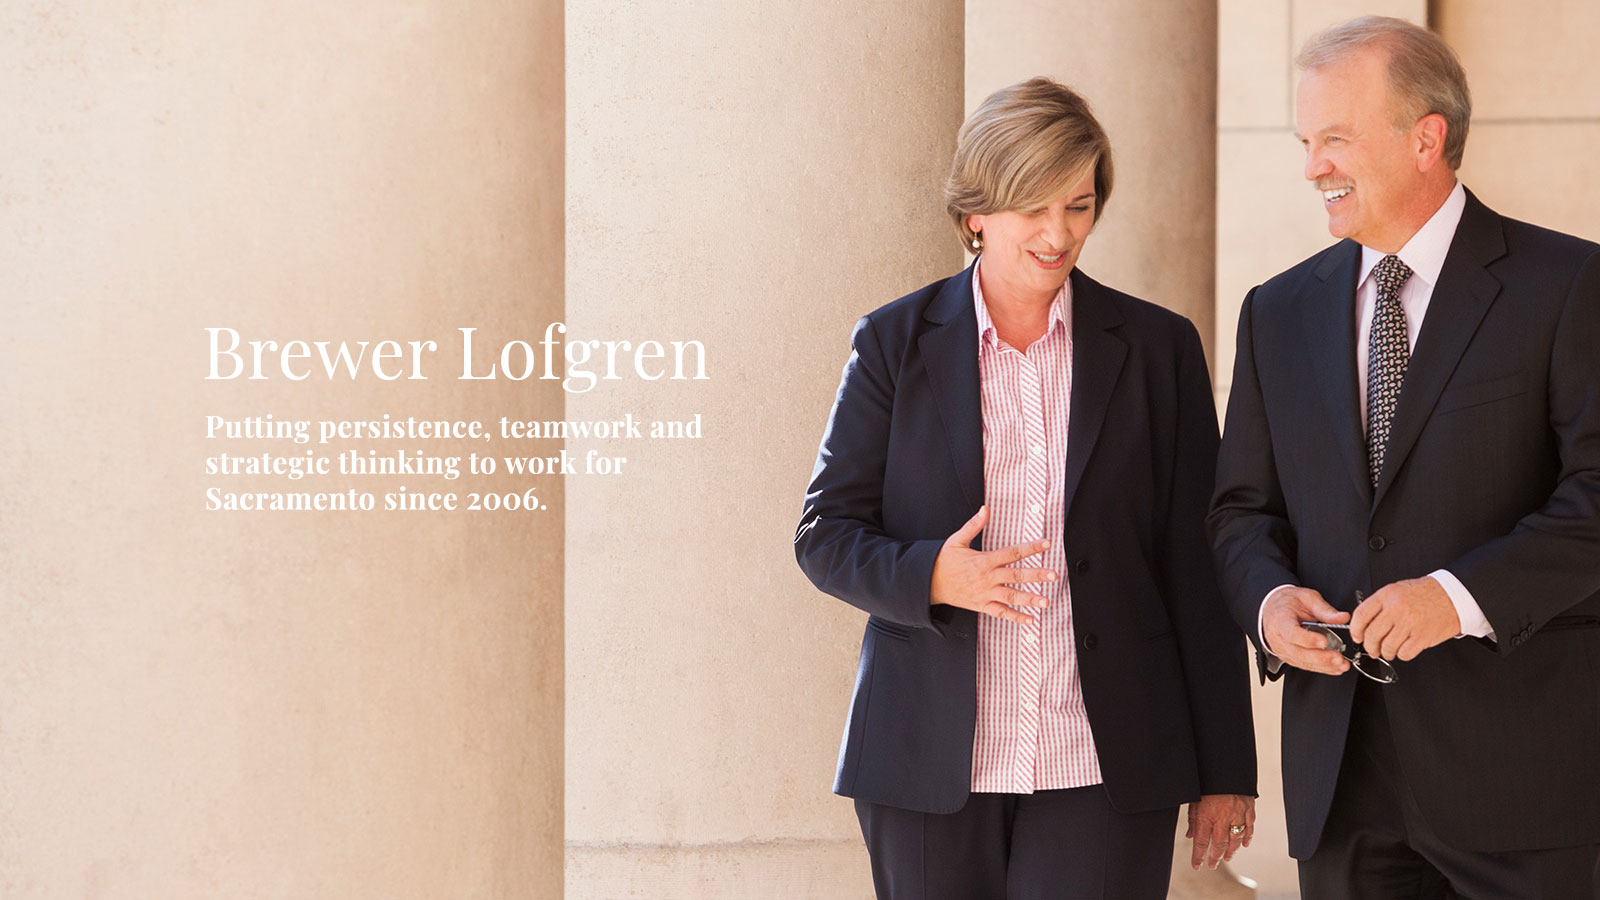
pixel 1387 353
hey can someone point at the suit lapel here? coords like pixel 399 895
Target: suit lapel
pixel 1097 358
pixel 1460 300
pixel 950 352
pixel 1330 342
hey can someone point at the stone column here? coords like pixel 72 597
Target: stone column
pixel 199 704
pixel 754 176
pixel 1149 71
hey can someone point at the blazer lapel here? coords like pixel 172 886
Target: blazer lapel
pixel 1460 300
pixel 950 353
pixel 1330 347
pixel 1097 357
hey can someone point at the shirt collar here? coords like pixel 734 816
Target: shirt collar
pixel 1060 309
pixel 1424 254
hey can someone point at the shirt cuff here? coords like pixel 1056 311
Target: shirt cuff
pixel 1473 622
pixel 1273 662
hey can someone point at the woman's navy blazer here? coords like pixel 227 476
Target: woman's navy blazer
pixel 900 468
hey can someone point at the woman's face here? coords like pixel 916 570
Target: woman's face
pixel 1027 253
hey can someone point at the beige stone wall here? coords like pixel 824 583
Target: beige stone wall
pixel 755 176
pixel 1536 108
pixel 202 705
pixel 367 706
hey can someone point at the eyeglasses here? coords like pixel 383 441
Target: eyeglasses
pixel 1338 637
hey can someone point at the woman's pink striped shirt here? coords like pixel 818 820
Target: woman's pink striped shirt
pixel 1032 731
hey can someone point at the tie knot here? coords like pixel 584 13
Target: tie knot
pixel 1391 275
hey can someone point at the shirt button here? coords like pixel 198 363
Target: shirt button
pixel 1034 508
pixel 1030 638
pixel 1030 706
pixel 1036 450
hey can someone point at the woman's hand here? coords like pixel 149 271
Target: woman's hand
pixel 1212 819
pixel 978 579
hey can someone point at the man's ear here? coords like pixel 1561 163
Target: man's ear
pixel 1427 140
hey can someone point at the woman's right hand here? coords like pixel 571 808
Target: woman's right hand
pixel 979 579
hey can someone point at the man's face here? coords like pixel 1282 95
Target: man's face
pixel 1363 165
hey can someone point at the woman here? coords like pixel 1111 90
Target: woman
pixel 1028 717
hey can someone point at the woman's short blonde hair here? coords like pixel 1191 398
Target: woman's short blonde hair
pixel 1026 145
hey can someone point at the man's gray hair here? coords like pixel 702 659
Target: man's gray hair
pixel 1424 73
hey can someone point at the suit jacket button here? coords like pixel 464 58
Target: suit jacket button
pixel 1090 641
pixel 1081 566
pixel 1376 542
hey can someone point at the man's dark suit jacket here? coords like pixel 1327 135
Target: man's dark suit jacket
pixel 901 468
pixel 1492 472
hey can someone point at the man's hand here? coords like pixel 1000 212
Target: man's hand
pixel 1405 618
pixel 1211 821
pixel 1285 609
pixel 978 579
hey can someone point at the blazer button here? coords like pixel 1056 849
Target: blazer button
pixel 1376 542
pixel 1081 566
pixel 1090 641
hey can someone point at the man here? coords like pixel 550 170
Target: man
pixel 1412 451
